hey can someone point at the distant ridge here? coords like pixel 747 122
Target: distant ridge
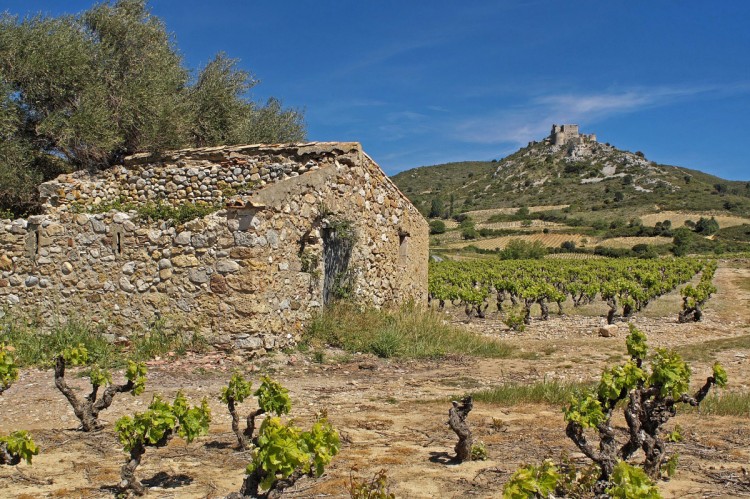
pixel 570 168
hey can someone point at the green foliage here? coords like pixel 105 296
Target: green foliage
pixel 322 443
pixel 34 348
pixel 479 452
pixel 518 249
pixel 552 392
pixel 514 319
pixel 675 435
pixel 636 343
pixel 20 444
pixel 84 90
pixel 99 376
pixel 532 481
pixel 76 356
pixel 468 231
pixel 670 373
pixel 160 340
pixel 377 488
pixel 136 372
pixel 421 333
pixel 585 410
pixel 707 226
pixel 279 451
pixel 670 466
pixel 284 448
pixel 618 380
pixel 387 343
pixel 437 227
pixel 238 389
pixel 193 421
pixel 160 421
pixel 8 367
pixel 176 214
pixel 436 208
pixel 720 375
pixel 631 482
pixel 272 397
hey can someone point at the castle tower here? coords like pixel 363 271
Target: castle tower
pixel 568 133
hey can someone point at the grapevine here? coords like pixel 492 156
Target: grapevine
pixel 626 285
pixel 282 452
pixel 693 298
pixel 154 428
pixel 272 398
pixel 18 446
pixel 651 400
pixel 8 367
pixel 87 409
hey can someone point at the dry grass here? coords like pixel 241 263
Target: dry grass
pixel 481 215
pixel 678 218
pixel 549 240
pixel 519 224
pixel 408 332
pixel 707 350
pixel 629 242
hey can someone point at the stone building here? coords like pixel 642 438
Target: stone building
pixel 569 134
pixel 294 226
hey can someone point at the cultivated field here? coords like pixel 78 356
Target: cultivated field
pixel 551 240
pixel 392 413
pixel 678 218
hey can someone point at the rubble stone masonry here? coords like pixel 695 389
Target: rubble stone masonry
pixel 250 275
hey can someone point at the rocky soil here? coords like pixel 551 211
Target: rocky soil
pixel 392 414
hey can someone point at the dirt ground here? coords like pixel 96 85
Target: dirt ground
pixel 392 414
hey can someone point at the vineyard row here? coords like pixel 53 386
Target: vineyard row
pixel 629 284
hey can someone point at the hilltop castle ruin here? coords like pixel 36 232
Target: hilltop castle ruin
pixel 569 134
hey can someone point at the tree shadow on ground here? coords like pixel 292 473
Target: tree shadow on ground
pixel 216 444
pixel 167 481
pixel 443 458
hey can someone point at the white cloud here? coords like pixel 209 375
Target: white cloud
pixel 532 120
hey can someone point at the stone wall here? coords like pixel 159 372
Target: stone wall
pixel 250 275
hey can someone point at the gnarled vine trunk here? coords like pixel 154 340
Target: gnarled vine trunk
pixel 87 410
pixel 457 421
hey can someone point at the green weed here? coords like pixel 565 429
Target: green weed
pixel 407 332
pixel 545 392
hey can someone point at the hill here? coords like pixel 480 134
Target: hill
pixel 588 176
pixel 580 185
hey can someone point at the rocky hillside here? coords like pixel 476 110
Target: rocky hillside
pixel 587 176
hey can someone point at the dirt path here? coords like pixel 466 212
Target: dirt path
pixel 392 414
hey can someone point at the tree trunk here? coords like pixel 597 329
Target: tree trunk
pixel 545 309
pixel 81 408
pixel 6 457
pixel 250 429
pixel 241 440
pixel 612 302
pixel 127 472
pixel 457 421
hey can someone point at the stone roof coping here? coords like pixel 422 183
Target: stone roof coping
pixel 298 149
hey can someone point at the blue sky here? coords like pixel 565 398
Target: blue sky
pixel 420 83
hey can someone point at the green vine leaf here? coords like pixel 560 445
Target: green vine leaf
pixel 136 372
pixel 670 373
pixel 585 410
pixel 720 375
pixel 636 343
pixel 8 367
pixel 238 389
pixel 272 397
pixel 631 482
pixel 76 356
